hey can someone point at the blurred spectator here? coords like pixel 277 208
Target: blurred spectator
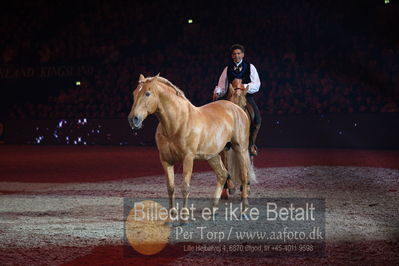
pixel 309 59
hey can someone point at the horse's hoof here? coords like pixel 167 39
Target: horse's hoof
pixel 173 211
pixel 244 210
pixel 244 205
pixel 215 211
pixel 225 194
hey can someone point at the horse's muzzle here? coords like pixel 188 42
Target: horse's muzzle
pixel 135 122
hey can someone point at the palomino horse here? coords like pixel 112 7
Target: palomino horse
pixel 186 133
pixel 237 94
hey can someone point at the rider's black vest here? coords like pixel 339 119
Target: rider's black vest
pixel 234 73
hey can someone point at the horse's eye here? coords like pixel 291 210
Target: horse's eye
pixel 147 93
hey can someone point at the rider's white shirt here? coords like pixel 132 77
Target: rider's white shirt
pixel 222 86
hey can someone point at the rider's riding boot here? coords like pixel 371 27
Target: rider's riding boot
pixel 252 139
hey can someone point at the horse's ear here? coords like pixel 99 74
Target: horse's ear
pixel 245 89
pixel 141 78
pixel 157 76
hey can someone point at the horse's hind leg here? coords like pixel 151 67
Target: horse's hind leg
pixel 229 186
pixel 251 162
pixel 170 179
pixel 221 176
pixel 243 161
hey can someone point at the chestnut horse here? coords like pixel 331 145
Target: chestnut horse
pixel 186 133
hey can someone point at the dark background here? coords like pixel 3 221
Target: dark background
pixel 329 69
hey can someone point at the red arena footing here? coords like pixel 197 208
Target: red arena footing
pixel 101 163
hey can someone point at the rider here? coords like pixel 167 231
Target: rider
pixel 241 69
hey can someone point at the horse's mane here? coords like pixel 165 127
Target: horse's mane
pixel 163 80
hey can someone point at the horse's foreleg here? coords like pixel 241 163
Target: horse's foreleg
pixel 221 176
pixel 225 192
pixel 170 179
pixel 187 172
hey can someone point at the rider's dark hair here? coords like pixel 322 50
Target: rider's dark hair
pixel 237 46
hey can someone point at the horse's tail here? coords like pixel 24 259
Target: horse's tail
pixel 251 170
pixel 233 167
